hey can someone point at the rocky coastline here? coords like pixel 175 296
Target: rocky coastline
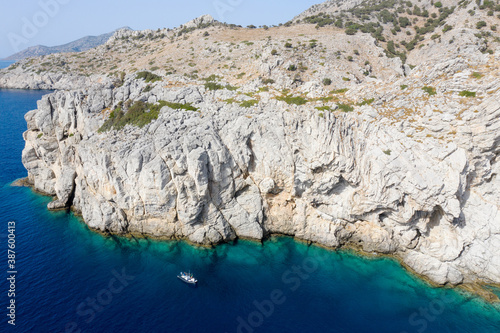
pixel 381 157
pixel 226 171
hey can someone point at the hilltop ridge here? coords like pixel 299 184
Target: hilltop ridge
pixel 370 38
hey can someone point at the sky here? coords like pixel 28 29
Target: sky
pixel 54 22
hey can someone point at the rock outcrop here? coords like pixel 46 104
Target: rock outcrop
pixel 17 79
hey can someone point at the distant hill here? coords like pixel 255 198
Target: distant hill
pixel 79 45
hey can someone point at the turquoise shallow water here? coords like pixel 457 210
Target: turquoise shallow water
pixel 71 279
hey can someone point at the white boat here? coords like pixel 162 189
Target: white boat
pixel 187 277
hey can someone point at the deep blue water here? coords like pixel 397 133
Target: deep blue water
pixel 67 276
pixel 6 63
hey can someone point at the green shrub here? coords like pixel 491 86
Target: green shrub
pixel 350 31
pixel 211 78
pixel 249 103
pixel 345 107
pixel 429 90
pixel 176 106
pixel 288 45
pixel 267 81
pixel 438 4
pixel 137 114
pixel 404 22
pixel 447 28
pixel 148 76
pixel 147 89
pixel 403 86
pixel 274 52
pixel 466 93
pixel 230 87
pixel 292 68
pixel 476 75
pixel 323 108
pixel 213 86
pixel 216 86
pixel 326 99
pixel 367 102
pixel 480 24
pixel 339 91
pixel 297 100
pixel 387 152
pixel 327 81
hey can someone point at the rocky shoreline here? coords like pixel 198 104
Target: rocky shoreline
pixel 480 289
pixel 335 141
pixel 226 172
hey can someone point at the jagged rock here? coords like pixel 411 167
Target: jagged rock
pixel 20 80
pixel 64 187
pixel 200 21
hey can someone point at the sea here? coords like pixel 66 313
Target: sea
pixel 67 278
pixel 6 63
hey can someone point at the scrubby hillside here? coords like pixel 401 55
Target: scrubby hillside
pixel 338 44
pixel 402 26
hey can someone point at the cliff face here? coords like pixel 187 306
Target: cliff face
pixel 18 79
pixel 421 184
